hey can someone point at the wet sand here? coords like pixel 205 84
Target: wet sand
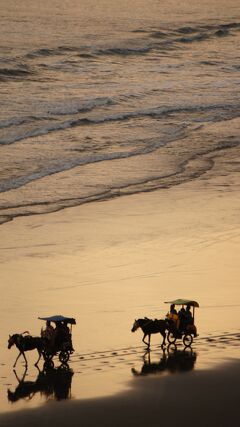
pixel 204 398
pixel 106 264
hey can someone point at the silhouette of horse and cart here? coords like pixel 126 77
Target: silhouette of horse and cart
pixel 58 341
pixel 52 342
pixel 175 326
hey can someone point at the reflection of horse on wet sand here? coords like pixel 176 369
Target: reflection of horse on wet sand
pixel 25 343
pixel 150 327
pixel 51 382
pixel 171 360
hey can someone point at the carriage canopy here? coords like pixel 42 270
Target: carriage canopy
pixel 183 302
pixel 59 318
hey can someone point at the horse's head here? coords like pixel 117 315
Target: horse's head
pixel 11 340
pixel 135 326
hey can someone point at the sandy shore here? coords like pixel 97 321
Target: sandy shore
pixel 205 398
pixel 108 263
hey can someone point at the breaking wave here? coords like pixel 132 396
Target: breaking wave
pixel 52 122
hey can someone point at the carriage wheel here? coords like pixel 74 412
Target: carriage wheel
pixel 187 340
pixel 47 356
pixel 171 338
pixel 64 356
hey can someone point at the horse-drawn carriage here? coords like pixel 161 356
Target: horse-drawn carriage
pixel 177 325
pixel 58 340
pixel 52 342
pixel 181 323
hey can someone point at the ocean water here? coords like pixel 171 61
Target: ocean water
pixel 101 98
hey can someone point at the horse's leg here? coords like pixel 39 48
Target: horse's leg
pixel 39 354
pixel 143 340
pixel 149 339
pixel 163 333
pixel 24 357
pixel 146 354
pixel 18 358
pixel 23 377
pixel 39 372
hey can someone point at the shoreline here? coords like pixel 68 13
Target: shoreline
pixel 211 397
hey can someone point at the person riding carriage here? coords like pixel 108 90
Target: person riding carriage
pixel 60 337
pixel 48 334
pixel 182 323
pixel 185 330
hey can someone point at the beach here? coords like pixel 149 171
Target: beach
pixel 119 193
pixel 191 240
pixel 205 398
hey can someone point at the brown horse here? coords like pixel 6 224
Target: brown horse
pixel 25 343
pixel 149 327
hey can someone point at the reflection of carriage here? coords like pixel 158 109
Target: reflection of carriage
pixel 58 340
pixel 179 325
pixel 51 383
pixel 171 360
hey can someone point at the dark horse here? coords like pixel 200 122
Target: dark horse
pixel 149 327
pixel 25 343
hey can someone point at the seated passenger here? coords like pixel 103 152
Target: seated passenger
pixel 172 316
pixel 60 334
pixel 63 335
pixel 49 333
pixel 172 309
pixel 188 316
pixel 182 318
pixel 68 335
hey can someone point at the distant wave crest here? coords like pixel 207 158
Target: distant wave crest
pixel 52 122
pixel 18 72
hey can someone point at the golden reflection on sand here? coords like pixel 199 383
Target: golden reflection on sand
pixel 107 263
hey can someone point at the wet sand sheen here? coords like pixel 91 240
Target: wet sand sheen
pixel 108 263
pixel 209 398
pixel 102 374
